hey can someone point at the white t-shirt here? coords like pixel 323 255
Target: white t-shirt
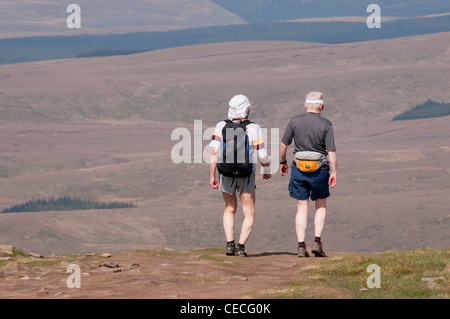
pixel 255 138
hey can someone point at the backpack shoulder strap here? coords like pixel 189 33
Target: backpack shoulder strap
pixel 245 123
pixel 242 124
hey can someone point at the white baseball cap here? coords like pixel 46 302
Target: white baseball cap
pixel 239 107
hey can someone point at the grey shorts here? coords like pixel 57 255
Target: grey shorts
pixel 231 185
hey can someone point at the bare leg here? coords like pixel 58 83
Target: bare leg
pixel 228 215
pixel 301 219
pixel 248 208
pixel 320 217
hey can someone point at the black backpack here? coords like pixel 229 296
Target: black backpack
pixel 235 150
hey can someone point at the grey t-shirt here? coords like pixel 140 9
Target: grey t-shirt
pixel 311 132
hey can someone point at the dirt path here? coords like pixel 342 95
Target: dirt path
pixel 197 274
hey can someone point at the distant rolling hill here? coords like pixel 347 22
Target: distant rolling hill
pixel 58 47
pixel 387 77
pixel 36 18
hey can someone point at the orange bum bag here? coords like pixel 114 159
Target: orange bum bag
pixel 307 166
pixel 309 162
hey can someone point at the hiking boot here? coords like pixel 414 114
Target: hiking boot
pixel 240 251
pixel 301 252
pixel 317 250
pixel 231 249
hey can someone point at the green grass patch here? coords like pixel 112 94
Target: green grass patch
pixel 163 253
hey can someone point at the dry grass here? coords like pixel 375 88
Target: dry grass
pixel 417 274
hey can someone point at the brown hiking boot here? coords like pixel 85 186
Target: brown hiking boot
pixel 301 252
pixel 317 250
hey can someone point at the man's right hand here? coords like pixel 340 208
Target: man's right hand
pixel 284 168
pixel 332 180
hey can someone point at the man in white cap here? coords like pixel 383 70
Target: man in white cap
pixel 238 179
pixel 314 169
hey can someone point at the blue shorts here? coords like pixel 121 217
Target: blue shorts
pixel 303 185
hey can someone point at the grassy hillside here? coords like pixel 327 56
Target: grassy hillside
pixel 420 273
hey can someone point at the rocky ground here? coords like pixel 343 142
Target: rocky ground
pixel 161 274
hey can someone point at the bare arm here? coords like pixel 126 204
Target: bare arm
pixel 265 163
pixel 283 167
pixel 212 169
pixel 332 157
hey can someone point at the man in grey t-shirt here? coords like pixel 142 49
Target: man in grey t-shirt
pixel 314 168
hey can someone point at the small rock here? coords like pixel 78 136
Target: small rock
pixel 34 255
pixel 310 267
pixel 90 254
pixel 43 291
pixel 110 264
pixel 432 278
pixel 134 266
pixel 6 249
pixel 117 270
pixel 363 289
pixel 5 258
pixel 240 277
pixel 106 255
